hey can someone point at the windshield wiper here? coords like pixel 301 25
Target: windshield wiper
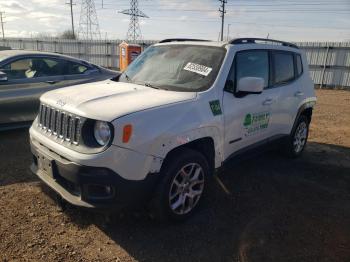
pixel 127 77
pixel 151 86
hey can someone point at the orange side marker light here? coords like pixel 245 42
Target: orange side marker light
pixel 127 132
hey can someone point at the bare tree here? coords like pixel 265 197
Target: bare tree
pixel 67 34
pixel 44 35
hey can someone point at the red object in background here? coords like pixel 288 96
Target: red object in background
pixel 127 54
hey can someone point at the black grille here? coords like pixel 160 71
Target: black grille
pixel 61 124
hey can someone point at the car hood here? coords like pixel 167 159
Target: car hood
pixel 108 100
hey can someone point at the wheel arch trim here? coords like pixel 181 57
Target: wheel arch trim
pixel 307 104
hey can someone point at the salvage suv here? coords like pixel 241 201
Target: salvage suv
pixel 156 133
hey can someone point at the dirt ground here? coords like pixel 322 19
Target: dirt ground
pixel 277 210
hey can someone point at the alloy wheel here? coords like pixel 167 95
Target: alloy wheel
pixel 300 137
pixel 186 188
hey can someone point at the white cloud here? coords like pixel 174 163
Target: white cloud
pixel 167 19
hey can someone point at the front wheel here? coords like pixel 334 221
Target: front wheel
pixel 298 138
pixel 182 185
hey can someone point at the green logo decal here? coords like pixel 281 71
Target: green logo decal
pixel 255 122
pixel 215 107
pixel 247 120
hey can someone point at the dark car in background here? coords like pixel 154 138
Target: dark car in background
pixel 26 75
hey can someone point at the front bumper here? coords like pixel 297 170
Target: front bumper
pixel 86 186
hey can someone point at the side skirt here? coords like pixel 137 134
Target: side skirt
pixel 254 150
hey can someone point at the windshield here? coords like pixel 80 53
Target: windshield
pixel 176 67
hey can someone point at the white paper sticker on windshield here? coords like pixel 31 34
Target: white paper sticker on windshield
pixel 199 69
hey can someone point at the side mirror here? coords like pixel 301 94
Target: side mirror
pixel 254 85
pixel 3 77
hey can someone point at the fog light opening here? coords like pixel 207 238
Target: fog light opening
pixel 100 191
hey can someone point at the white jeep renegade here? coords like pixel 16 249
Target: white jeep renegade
pixel 157 132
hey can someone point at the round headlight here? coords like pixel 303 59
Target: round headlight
pixel 102 132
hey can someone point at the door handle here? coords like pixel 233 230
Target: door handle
pixel 51 82
pixel 297 94
pixel 268 101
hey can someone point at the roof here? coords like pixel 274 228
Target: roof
pixel 194 42
pixel 239 41
pixel 251 40
pixel 4 54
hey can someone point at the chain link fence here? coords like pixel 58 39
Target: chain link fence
pixel 329 61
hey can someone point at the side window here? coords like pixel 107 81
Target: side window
pixel 283 67
pixel 32 68
pixel 53 67
pixel 17 69
pixel 299 64
pixel 73 68
pixel 253 63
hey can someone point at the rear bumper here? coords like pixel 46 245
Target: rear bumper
pixel 90 187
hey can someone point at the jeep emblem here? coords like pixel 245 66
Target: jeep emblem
pixel 60 103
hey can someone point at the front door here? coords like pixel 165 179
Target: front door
pixel 247 117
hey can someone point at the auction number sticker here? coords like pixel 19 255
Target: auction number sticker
pixel 199 69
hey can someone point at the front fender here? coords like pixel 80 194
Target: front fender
pixel 190 136
pixel 158 131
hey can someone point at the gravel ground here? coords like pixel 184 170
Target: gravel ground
pixel 277 210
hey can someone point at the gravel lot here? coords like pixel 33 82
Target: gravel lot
pixel 277 210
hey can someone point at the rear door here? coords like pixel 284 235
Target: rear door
pixel 27 79
pixel 78 73
pixel 287 69
pixel 247 117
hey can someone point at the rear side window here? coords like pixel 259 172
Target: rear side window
pixel 254 63
pixel 73 68
pixel 283 67
pixel 299 65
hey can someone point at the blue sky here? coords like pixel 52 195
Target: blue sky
pixel 294 20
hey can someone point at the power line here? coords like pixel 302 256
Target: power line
pixel 222 15
pixel 88 24
pixel 243 2
pixel 166 19
pixel 134 31
pixel 254 10
pixel 318 4
pixel 258 10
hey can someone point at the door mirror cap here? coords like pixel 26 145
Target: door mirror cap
pixel 254 85
pixel 3 77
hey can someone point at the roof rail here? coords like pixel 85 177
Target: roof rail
pixel 182 40
pixel 253 41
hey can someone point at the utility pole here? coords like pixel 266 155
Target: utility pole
pixel 2 25
pixel 222 11
pixel 228 32
pixel 71 14
pixel 134 31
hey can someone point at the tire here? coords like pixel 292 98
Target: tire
pixel 182 186
pixel 297 140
